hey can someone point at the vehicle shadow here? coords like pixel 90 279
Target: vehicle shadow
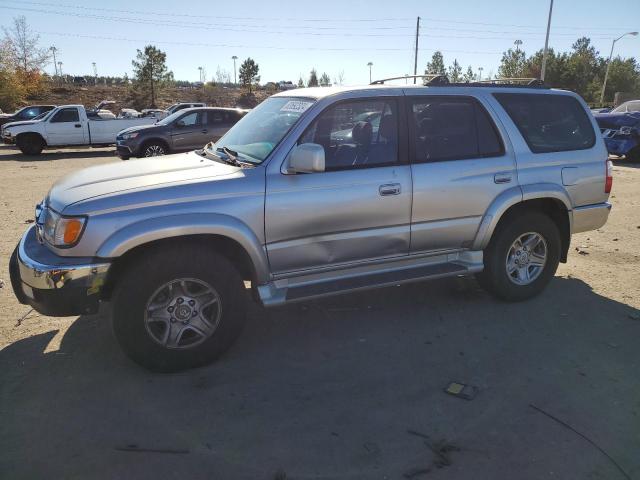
pixel 13 154
pixel 330 388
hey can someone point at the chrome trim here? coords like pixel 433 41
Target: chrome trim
pixel 48 277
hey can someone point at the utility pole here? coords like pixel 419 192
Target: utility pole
pixel 235 79
pixel 95 73
pixel 480 75
pixel 370 64
pixel 606 74
pixel 415 58
pixel 200 69
pixel 546 44
pixel 55 65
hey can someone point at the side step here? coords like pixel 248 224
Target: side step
pixel 313 286
pixel 373 280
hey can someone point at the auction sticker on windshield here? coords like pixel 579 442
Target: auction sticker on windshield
pixel 296 106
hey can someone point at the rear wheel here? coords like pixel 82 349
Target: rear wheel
pixel 154 149
pixel 179 308
pixel 30 144
pixel 522 257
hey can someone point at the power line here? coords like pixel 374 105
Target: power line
pixel 268 47
pixel 334 20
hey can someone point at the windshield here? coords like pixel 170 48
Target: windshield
pixel 259 131
pixel 627 107
pixel 43 116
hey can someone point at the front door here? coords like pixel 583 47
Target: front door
pixel 186 131
pixel 65 128
pixel 459 166
pixel 359 208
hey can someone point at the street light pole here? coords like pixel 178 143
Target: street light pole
pixel 480 75
pixel 606 74
pixel 517 43
pixel 235 78
pixel 370 64
pixel 55 65
pixel 546 44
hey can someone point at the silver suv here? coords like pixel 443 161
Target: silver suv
pixel 317 192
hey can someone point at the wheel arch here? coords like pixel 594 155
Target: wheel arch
pixel 551 199
pixel 24 134
pixel 222 233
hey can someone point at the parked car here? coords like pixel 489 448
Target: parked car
pixel 129 113
pixel 186 129
pixel 489 180
pixel 181 106
pixel 25 113
pixel 154 112
pixel 621 129
pixel 66 126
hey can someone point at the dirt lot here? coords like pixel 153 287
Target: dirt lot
pixel 330 389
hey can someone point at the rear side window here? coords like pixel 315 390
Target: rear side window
pixel 66 115
pixel 452 128
pixel 549 123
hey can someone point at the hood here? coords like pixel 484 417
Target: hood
pixel 617 120
pixel 139 128
pixel 17 124
pixel 135 176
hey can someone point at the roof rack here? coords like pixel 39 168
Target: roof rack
pixel 432 80
pixel 428 78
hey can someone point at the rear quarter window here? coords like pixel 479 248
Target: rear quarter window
pixel 549 123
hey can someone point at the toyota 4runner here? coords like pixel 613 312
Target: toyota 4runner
pixel 316 192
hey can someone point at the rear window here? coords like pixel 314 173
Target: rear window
pixel 549 123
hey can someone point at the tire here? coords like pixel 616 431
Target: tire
pixel 153 149
pixel 30 144
pixel 634 154
pixel 157 344
pixel 502 277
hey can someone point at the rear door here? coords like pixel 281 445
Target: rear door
pixel 459 166
pixel 219 122
pixel 65 128
pixel 186 131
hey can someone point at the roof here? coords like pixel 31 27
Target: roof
pixel 321 92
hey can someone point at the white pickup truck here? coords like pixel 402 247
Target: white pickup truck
pixel 67 126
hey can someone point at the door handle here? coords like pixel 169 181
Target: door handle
pixel 502 177
pixel 77 125
pixel 204 130
pixel 389 189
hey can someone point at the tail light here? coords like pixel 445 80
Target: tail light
pixel 608 183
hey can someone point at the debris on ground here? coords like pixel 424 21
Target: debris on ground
pixel 30 220
pixel 1 283
pixel 441 451
pixel 468 392
pixel 581 251
pixel 23 317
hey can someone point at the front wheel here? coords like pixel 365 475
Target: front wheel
pixel 178 308
pixel 154 149
pixel 522 256
pixel 30 144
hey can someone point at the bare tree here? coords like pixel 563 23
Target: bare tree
pixel 223 76
pixel 339 78
pixel 23 44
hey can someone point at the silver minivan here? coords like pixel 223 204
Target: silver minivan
pixel 316 192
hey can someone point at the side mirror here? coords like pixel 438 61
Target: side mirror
pixel 306 158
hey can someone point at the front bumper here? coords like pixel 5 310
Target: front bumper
pixel 617 146
pixel 54 285
pixel 7 140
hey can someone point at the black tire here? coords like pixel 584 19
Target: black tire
pixel 154 148
pixel 30 144
pixel 146 275
pixel 495 278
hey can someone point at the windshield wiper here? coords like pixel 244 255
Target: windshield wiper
pixel 232 156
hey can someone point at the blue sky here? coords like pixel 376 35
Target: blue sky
pixel 289 38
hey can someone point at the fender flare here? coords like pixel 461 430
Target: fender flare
pixel 512 197
pixel 159 228
pixel 44 140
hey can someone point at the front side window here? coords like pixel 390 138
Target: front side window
pixel 356 134
pixel 217 117
pixel 452 128
pixel 66 115
pixel 549 123
pixel 190 119
pixel 260 130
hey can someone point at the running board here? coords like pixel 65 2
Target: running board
pixel 285 291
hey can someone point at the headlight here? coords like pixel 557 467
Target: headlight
pixel 129 136
pixel 62 231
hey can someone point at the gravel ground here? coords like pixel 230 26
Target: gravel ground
pixel 331 388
